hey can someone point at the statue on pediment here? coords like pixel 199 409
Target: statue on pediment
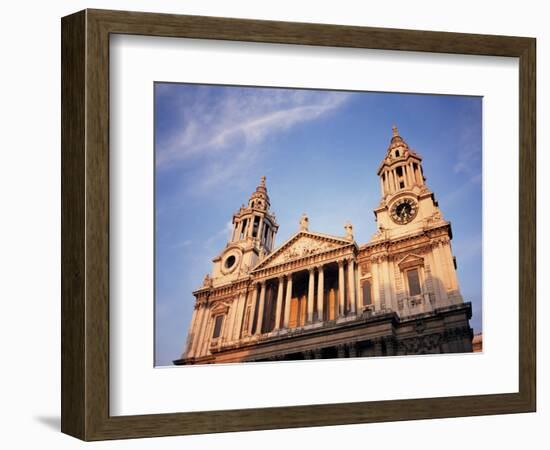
pixel 304 222
pixel 207 281
pixel 349 230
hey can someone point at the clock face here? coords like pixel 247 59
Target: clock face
pixel 403 211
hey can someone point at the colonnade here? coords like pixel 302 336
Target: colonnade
pixel 349 296
pixel 412 175
pixel 348 302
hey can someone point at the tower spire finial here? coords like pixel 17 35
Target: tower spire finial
pixel 394 130
pixel 262 181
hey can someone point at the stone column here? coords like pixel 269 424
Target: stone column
pixel 437 280
pixel 375 293
pixel 341 350
pixel 250 226
pixel 351 285
pixel 448 254
pixel 230 319
pixel 261 309
pixel 447 260
pixel 418 176
pixel 193 333
pixel 310 295
pixel 269 240
pixel 237 325
pixel 287 300
pixel 388 284
pixel 320 293
pixel 279 302
pixel 440 269
pixel 358 290
pixel 260 229
pixel 341 289
pixel 207 334
pixel 200 331
pixel 253 309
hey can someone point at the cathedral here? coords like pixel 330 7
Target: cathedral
pixel 323 296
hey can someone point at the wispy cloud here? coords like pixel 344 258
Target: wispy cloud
pixel 224 127
pixel 469 160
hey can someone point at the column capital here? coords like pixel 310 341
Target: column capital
pixel 340 262
pixel 311 269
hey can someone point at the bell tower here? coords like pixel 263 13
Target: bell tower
pixel 411 251
pixel 252 238
pixel 406 199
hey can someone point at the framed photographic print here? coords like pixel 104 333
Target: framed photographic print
pixel 272 225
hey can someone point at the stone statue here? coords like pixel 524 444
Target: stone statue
pixel 207 282
pixel 304 223
pixel 380 233
pixel 349 230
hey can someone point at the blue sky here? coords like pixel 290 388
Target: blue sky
pixel 319 151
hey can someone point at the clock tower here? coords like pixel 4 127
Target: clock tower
pixel 409 258
pixel 406 200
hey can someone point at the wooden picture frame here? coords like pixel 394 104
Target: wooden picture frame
pixel 85 224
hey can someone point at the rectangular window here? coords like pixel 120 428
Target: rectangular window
pixel 218 327
pixel 367 296
pixel 414 282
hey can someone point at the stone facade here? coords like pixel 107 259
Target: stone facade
pixel 323 296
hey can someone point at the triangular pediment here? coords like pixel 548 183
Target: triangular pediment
pixel 411 260
pixel 302 245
